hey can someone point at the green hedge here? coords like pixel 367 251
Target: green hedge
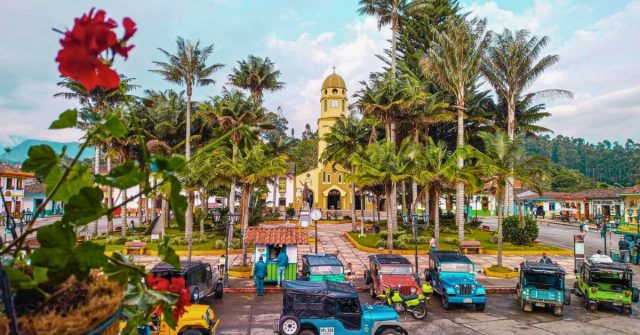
pixel 515 232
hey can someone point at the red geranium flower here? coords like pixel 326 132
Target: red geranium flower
pixel 92 37
pixel 157 283
pixel 177 284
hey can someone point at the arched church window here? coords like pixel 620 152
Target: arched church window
pixel 324 177
pixel 326 104
pixel 335 91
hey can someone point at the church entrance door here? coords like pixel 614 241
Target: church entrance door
pixel 333 200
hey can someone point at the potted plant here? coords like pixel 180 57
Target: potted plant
pixel 68 285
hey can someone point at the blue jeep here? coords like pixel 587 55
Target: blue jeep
pixel 542 285
pixel 452 277
pixel 330 308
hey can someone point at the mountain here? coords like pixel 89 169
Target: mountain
pixel 20 152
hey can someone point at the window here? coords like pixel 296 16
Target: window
pixel 335 91
pixel 343 105
pixel 19 183
pixel 325 105
pixel 9 183
pixel 552 206
pixel 328 178
pixel 340 179
pixel 334 103
pixel 456 267
pixel 282 185
pixel 282 202
pixel 324 177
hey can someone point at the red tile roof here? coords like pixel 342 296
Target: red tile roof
pixel 36 188
pixel 547 195
pixel 13 170
pixel 278 235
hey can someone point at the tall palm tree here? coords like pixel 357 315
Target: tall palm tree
pixel 503 160
pixel 437 168
pixel 383 163
pixel 256 75
pixel 454 63
pixel 188 67
pixel 253 166
pixel 346 137
pixel 512 64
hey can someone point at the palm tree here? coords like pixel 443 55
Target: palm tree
pixel 256 75
pixel 345 138
pixel 437 168
pixel 383 163
pixel 503 160
pixel 253 166
pixel 454 63
pixel 511 66
pixel 188 67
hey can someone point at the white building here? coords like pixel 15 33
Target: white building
pixel 284 195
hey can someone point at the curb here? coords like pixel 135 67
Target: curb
pixel 506 275
pixel 490 290
pixel 360 247
pixel 151 252
pixel 240 274
pixel 296 221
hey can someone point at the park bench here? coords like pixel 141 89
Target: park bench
pixel 135 247
pixel 485 228
pixel 470 247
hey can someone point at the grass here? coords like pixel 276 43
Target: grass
pixel 499 269
pixel 448 240
pixel 209 243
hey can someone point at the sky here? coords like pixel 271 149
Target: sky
pixel 598 43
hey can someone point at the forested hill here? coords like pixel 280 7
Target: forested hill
pixel 604 162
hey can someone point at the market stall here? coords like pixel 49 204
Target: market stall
pixel 269 242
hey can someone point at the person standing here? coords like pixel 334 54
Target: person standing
pixel 433 243
pixel 545 259
pixel 623 245
pixel 259 272
pixel 282 261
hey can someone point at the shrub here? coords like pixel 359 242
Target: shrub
pixel 384 234
pixel 515 232
pixel 236 244
pixel 220 244
pixel 406 239
pixel 290 211
pixel 399 245
pixel 198 215
pixel 450 240
pixel 346 217
pixel 272 215
pixel 423 240
pixel 381 244
pixel 474 223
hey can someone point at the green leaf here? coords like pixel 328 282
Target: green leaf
pixel 40 275
pixel 56 235
pixel 88 255
pixel 119 273
pixel 167 254
pixel 18 279
pixel 177 201
pixel 42 159
pixel 167 316
pixel 123 176
pixel 78 178
pixel 68 119
pixel 160 164
pixel 115 126
pixel 84 207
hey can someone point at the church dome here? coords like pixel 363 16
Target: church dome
pixel 333 81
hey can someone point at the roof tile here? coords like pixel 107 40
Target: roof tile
pixel 278 235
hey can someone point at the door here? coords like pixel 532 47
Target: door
pixel 8 206
pixel 333 200
pixel 18 209
pixel 349 313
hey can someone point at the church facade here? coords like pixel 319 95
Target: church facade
pixel 327 184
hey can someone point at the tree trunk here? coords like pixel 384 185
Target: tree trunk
pixel 404 198
pixel 353 202
pixel 414 196
pixel 460 186
pixel 244 217
pixel 232 202
pixel 511 131
pixel 388 190
pixel 109 200
pixel 204 205
pixel 426 201
pixel 188 221
pixel 276 193
pixel 123 213
pixel 499 232
pixel 394 208
pixel 363 203
pixel 433 204
pixel 141 208
pixel 164 215
pixel 96 169
pixel 436 218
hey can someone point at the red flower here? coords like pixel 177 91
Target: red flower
pixel 184 299
pixel 80 57
pixel 157 283
pixel 177 284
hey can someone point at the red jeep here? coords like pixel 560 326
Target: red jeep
pixel 386 271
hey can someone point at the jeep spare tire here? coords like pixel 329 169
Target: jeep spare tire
pixel 635 295
pixel 289 325
pixel 218 292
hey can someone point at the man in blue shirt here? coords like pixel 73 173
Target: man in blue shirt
pixel 282 261
pixel 259 272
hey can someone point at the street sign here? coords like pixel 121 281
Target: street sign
pixel 316 214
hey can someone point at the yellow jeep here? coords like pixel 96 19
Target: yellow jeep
pixel 197 320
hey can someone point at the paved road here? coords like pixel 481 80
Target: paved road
pixel 248 314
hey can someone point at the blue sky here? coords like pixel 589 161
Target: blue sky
pixel 598 42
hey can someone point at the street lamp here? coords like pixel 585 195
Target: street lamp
pixel 415 241
pixel 233 218
pixel 216 216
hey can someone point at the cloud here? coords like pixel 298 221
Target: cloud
pixel 307 59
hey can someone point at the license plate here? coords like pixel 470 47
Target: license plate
pixel 327 331
pixel 540 304
pixel 467 300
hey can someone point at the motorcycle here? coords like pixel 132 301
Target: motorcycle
pixel 413 303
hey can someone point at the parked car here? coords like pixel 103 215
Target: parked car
pixel 330 308
pixel 452 276
pixel 198 276
pixel 319 267
pixel 605 282
pixel 390 271
pixel 196 320
pixel 542 285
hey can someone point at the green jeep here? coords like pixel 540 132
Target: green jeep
pixel 605 283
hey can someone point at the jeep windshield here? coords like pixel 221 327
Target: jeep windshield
pixel 542 281
pixel 610 281
pixel 396 270
pixel 326 270
pixel 456 267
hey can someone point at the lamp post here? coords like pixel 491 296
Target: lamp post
pixel 415 241
pixel 232 220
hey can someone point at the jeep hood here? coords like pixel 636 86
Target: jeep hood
pixel 398 280
pixel 195 312
pixel 379 313
pixel 452 279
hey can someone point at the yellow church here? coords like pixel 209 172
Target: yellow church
pixel 328 187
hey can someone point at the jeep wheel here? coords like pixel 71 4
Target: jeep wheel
pixel 372 291
pixel 218 292
pixel 481 307
pixel 367 277
pixel 388 331
pixel 567 297
pixel 576 290
pixel 626 310
pixel 635 295
pixel 289 325
pixel 192 332
pixel 445 301
pixel 557 310
pixel 593 306
pixel 419 312
pixel 307 332
pixel 528 307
